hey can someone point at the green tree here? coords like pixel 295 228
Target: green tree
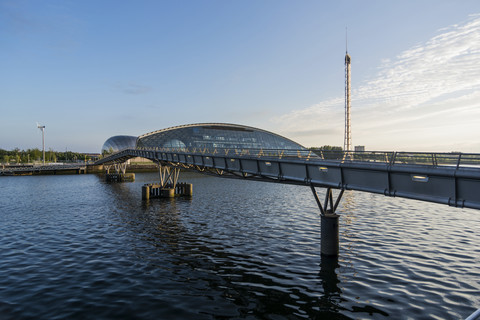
pixel 329 152
pixel 36 154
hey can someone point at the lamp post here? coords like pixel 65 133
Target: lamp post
pixel 43 140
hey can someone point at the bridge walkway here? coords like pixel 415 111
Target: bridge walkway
pixel 46 168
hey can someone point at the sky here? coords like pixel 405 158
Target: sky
pixel 89 70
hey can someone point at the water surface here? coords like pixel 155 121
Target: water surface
pixel 75 247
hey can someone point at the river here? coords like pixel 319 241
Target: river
pixel 76 247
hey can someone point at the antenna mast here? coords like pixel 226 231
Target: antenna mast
pixel 347 143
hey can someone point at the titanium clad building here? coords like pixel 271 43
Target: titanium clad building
pixel 118 143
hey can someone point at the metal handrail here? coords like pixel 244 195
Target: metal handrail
pixel 430 159
pixel 433 159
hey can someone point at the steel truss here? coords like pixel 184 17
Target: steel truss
pixel 324 210
pixel 120 167
pixel 168 175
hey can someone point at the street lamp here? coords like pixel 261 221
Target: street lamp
pixel 43 140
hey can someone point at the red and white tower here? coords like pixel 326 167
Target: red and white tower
pixel 347 143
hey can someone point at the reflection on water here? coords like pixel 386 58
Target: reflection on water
pixel 77 247
pixel 329 278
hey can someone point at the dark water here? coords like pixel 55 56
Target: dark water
pixel 74 247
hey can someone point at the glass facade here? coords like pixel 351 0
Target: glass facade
pixel 118 143
pixel 213 136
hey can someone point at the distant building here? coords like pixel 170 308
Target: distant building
pixel 360 148
pixel 215 135
pixel 118 143
pixel 203 136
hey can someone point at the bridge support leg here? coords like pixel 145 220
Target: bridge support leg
pixel 120 174
pixel 329 239
pixel 120 168
pixel 167 176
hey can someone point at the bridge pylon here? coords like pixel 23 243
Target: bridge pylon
pixel 329 238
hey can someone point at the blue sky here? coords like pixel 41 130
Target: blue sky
pixel 89 70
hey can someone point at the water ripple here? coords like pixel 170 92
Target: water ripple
pixel 75 247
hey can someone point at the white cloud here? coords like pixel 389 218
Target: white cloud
pixel 133 88
pixel 414 100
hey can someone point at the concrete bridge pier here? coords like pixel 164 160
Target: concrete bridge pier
pixel 120 174
pixel 329 239
pixel 169 186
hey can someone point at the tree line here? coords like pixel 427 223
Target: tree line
pixel 332 152
pixel 17 156
pixel 327 148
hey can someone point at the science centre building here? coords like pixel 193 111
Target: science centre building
pixel 203 135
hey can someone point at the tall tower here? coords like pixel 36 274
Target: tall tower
pixel 347 142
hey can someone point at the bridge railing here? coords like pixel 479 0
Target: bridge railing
pixel 457 160
pixel 463 160
pixel 242 153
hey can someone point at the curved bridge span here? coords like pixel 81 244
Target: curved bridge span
pixel 447 178
pixel 241 152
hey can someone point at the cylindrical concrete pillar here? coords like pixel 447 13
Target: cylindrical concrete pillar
pixel 188 189
pixel 129 176
pixel 167 193
pixel 145 192
pixel 329 234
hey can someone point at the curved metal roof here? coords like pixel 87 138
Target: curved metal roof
pixel 225 126
pixel 119 143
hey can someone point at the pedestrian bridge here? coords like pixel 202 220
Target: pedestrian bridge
pixel 447 178
pixel 233 151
